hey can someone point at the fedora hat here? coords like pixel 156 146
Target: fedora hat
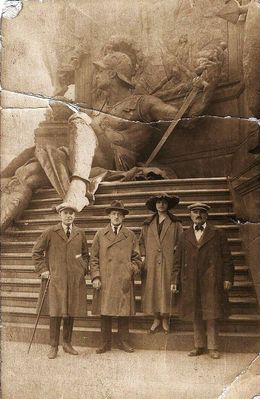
pixel 65 205
pixel 171 199
pixel 117 205
pixel 199 205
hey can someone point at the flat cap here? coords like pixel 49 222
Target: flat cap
pixel 65 205
pixel 199 205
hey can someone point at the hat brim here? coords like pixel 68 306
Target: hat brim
pixel 151 202
pixel 123 210
pixel 61 207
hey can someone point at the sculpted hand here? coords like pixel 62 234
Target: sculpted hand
pixel 96 284
pixel 45 274
pixel 227 285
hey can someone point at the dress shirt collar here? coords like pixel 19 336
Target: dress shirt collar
pixel 203 225
pixel 65 227
pixel 118 227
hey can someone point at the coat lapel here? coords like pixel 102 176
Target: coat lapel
pixel 190 236
pixel 166 224
pixel 155 230
pixel 112 238
pixel 61 232
pixel 74 232
pixel 206 236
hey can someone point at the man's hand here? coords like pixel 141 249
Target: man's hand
pixel 45 274
pixel 227 285
pixel 96 283
pixel 174 288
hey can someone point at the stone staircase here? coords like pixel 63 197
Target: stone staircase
pixel 20 285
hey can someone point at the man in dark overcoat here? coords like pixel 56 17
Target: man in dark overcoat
pixel 203 273
pixel 61 254
pixel 114 262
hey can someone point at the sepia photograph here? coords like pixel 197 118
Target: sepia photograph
pixel 130 199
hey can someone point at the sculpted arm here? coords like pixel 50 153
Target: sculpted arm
pixel 157 110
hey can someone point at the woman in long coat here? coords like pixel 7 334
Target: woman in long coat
pixel 158 240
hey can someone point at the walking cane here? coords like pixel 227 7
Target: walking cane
pixel 39 313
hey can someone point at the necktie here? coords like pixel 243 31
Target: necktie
pixel 198 228
pixel 115 230
pixel 68 232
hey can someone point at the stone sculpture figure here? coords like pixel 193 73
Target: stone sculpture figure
pixel 118 138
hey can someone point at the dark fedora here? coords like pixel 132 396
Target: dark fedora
pixel 117 205
pixel 171 199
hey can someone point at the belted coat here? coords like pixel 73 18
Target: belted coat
pixel 200 268
pixel 159 257
pixel 115 259
pixel 67 261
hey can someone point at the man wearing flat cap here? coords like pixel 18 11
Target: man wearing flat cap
pixel 203 273
pixel 114 262
pixel 61 254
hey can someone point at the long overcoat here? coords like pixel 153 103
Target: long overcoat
pixel 159 257
pixel 67 261
pixel 115 259
pixel 202 267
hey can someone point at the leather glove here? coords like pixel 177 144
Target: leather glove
pixel 96 283
pixel 174 288
pixel 227 285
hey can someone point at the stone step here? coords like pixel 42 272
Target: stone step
pixel 26 246
pixel 247 323
pixel 149 185
pixel 244 304
pixel 19 233
pixel 134 196
pixel 37 207
pixel 16 285
pixel 101 221
pixel 26 258
pixel 27 271
pixel 137 210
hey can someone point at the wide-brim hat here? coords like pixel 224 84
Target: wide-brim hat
pixel 171 199
pixel 117 205
pixel 65 205
pixel 199 205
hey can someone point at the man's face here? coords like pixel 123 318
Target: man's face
pixel 116 217
pixel 161 205
pixel 199 216
pixel 103 78
pixel 67 216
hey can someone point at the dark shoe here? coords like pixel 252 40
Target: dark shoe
pixel 214 354
pixel 103 349
pixel 124 345
pixel 196 352
pixel 69 349
pixel 53 352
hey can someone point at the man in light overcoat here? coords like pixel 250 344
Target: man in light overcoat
pixel 203 273
pixel 114 262
pixel 61 254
